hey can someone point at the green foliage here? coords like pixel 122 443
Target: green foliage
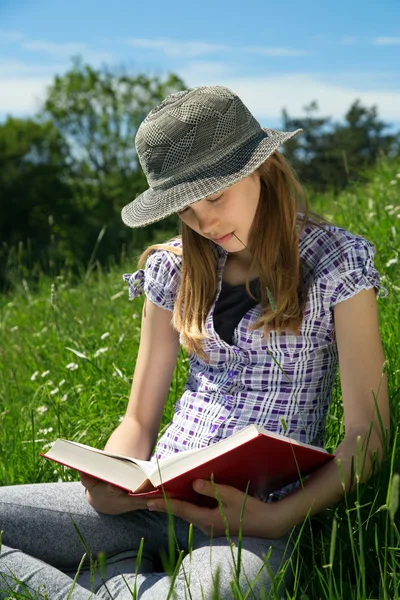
pixel 33 189
pixel 330 155
pixel 98 112
pixel 67 174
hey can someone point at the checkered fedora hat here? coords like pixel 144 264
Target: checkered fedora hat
pixel 193 144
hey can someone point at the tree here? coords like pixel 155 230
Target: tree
pixel 33 188
pixel 332 154
pixel 98 113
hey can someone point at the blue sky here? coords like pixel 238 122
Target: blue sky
pixel 273 54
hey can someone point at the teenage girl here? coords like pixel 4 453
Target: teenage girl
pixel 268 300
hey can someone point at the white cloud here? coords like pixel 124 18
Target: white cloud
pixel 348 40
pixel 386 41
pixel 67 50
pixel 17 67
pixel 54 49
pixel 203 69
pixel 57 51
pixel 178 49
pixel 267 96
pixel 22 96
pixel 276 51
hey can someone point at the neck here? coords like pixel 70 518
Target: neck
pixel 242 258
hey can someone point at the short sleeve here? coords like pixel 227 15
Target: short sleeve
pixel 352 269
pixel 159 280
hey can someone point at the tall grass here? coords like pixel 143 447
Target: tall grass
pixel 66 361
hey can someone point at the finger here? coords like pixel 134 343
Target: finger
pixel 88 481
pixel 185 510
pixel 113 489
pixel 221 492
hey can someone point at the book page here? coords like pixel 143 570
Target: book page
pixel 145 465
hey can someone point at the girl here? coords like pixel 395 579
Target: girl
pixel 267 299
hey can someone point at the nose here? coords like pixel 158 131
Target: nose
pixel 207 220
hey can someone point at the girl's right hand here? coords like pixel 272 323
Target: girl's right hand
pixel 109 499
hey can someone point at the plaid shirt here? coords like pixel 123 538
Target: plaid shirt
pixel 283 383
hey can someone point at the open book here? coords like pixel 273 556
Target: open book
pixel 265 460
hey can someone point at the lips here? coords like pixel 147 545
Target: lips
pixel 224 238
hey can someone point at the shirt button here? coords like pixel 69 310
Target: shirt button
pixel 232 373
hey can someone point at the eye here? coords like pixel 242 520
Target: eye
pixel 180 212
pixel 215 199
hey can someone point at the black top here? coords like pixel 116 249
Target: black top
pixel 233 303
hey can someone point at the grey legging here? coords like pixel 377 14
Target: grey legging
pixel 42 550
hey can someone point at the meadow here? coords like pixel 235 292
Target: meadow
pixel 67 355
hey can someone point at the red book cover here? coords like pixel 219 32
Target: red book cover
pixel 265 463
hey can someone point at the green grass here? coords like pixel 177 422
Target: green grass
pixel 66 361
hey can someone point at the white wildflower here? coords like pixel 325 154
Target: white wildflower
pixel 10 304
pixel 77 353
pixel 46 431
pixel 370 216
pixel 54 391
pixel 121 419
pixel 118 295
pixel 106 334
pixel 45 373
pixel 15 328
pixel 61 382
pixel 370 203
pixel 392 261
pixel 392 210
pixel 118 371
pixel 49 383
pixel 34 375
pixel 47 446
pixel 100 351
pixel 398 175
pixel 64 398
pixel 393 182
pixel 41 409
pixel 71 366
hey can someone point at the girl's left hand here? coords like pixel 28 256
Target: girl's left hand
pixel 260 519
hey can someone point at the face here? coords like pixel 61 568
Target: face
pixel 227 212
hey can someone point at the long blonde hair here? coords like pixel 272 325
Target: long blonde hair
pixel 281 216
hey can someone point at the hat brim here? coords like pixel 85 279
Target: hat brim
pixel 155 204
